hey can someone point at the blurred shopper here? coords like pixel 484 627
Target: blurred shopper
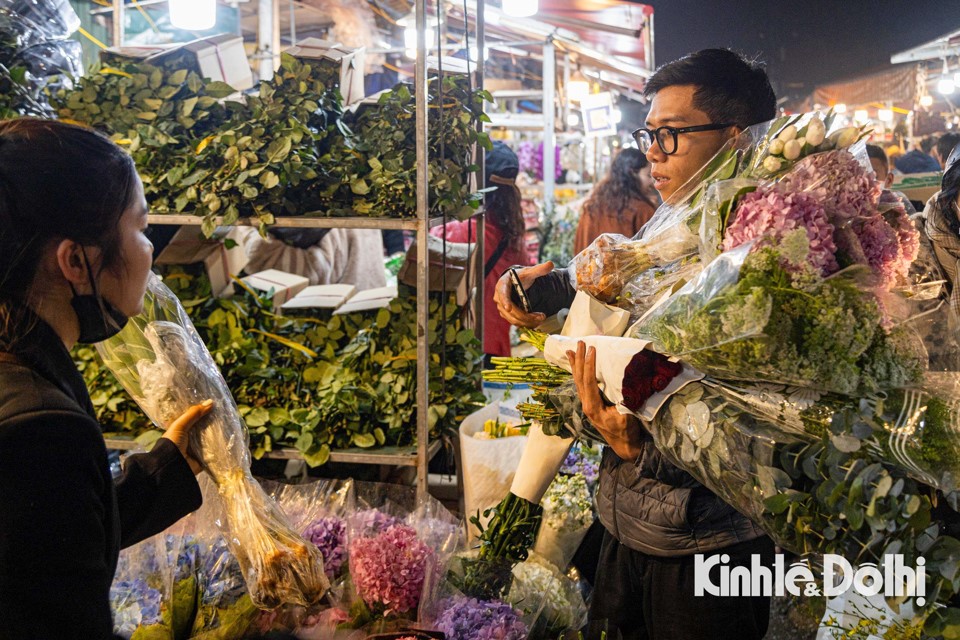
pixel 621 203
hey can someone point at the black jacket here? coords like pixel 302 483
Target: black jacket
pixel 650 505
pixel 63 520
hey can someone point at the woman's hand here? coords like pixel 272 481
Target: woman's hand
pixel 179 430
pixel 508 310
pixel 622 432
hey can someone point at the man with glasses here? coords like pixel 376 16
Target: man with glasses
pixel 657 517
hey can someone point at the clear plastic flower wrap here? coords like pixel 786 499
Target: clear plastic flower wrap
pixel 748 317
pixel 398 550
pixel 35 21
pixel 141 596
pixel 319 510
pixel 567 515
pixel 161 361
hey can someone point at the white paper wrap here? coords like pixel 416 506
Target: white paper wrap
pixel 590 317
pixel 541 461
pixel 613 356
pixel 488 465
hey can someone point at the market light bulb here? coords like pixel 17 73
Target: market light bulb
pixel 521 8
pixel 885 115
pixel 573 120
pixel 473 53
pixel 840 108
pixel 617 116
pixel 193 15
pixel 926 101
pixel 861 115
pixel 946 86
pixel 578 87
pixel 410 40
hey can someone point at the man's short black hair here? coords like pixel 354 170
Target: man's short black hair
pixel 876 153
pixel 945 145
pixel 730 88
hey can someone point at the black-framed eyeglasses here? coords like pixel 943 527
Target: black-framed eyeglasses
pixel 666 137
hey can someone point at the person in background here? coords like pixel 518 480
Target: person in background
pixel 881 168
pixel 503 236
pixel 939 228
pixel 917 160
pixel 880 164
pixel 324 256
pixel 657 517
pixel 945 144
pixel 621 203
pixel 74 263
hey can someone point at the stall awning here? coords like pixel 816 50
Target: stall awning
pixel 611 27
pixel 900 84
pixel 944 46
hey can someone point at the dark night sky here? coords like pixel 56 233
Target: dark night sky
pixel 802 41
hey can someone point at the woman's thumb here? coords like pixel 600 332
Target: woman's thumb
pixel 189 418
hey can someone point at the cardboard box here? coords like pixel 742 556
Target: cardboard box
pixel 321 296
pixel 461 256
pixel 368 299
pixel 189 246
pixel 217 58
pixel 351 63
pixel 284 285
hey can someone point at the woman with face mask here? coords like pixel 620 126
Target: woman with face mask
pixel 74 261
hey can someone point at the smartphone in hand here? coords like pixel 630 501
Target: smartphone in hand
pixel 517 293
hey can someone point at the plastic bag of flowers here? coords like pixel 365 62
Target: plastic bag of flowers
pixel 318 509
pixel 224 607
pixel 161 361
pixel 550 602
pixel 398 550
pixel 461 617
pixel 567 515
pixel 140 596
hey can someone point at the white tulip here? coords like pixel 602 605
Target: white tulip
pixel 791 150
pixel 788 134
pixel 772 164
pixel 847 136
pixel 776 146
pixel 816 131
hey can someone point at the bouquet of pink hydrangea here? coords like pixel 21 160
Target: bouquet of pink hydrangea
pixel 389 569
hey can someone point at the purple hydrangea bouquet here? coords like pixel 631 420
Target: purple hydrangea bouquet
pixel 465 618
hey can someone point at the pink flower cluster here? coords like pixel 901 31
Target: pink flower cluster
pixel 389 569
pixel 887 242
pixel 838 181
pixel 769 213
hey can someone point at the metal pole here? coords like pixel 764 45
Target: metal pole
pixel 549 123
pixel 118 23
pixel 480 160
pixel 423 280
pixel 652 64
pixel 268 37
pixel 293 24
pixel 565 99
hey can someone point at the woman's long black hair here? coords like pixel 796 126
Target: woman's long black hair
pixel 620 190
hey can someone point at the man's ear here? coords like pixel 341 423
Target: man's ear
pixel 888 181
pixel 72 262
